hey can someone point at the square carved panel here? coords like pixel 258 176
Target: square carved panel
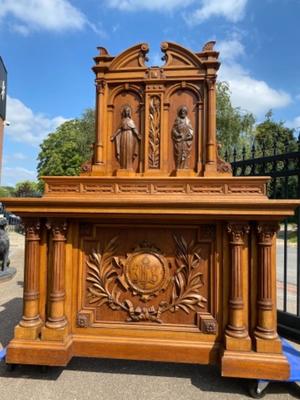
pixel 159 276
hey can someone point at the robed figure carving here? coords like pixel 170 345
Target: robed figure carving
pixel 126 140
pixel 182 135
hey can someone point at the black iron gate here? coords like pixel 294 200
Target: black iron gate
pixel 284 169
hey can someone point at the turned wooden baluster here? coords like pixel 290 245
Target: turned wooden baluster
pixel 265 328
pixel 211 152
pixel 236 326
pixel 100 89
pixel 56 312
pixel 31 318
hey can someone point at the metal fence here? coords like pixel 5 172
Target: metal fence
pixel 282 164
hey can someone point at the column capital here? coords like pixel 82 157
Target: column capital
pixel 237 232
pixel 32 228
pixel 211 82
pixel 100 85
pixel 266 232
pixel 58 228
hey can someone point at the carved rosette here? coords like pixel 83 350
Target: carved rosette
pixel 265 328
pixel 145 273
pixel 236 326
pixel 154 132
pixel 83 320
pixel 207 324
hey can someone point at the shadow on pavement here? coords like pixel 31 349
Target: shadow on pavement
pixel 9 317
pixel 205 378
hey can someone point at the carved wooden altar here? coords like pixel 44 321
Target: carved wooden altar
pixel 155 252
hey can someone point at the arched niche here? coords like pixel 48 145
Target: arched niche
pixel 190 98
pixel 122 98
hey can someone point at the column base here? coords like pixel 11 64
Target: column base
pixel 125 172
pixel 268 345
pixel 210 169
pixel 98 170
pixel 184 172
pixel 238 344
pixel 254 365
pixel 58 334
pixel 29 332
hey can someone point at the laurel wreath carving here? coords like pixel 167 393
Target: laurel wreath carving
pixel 104 269
pixel 154 132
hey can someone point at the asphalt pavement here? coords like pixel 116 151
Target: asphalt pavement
pixel 93 379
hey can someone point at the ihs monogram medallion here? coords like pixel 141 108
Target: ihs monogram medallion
pixel 145 271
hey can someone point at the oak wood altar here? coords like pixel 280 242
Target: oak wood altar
pixel 155 252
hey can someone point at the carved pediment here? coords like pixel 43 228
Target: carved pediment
pixel 132 58
pixel 176 55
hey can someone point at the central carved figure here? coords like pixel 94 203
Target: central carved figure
pixel 126 140
pixel 182 135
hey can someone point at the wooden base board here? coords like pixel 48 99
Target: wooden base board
pixel 233 363
pixel 55 353
pixel 254 365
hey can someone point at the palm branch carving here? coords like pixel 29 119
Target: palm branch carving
pixel 104 269
pixel 154 132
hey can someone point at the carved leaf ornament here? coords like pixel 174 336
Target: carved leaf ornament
pixel 108 275
pixel 154 132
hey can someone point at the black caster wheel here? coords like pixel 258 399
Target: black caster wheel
pixel 257 389
pixel 44 369
pixel 11 367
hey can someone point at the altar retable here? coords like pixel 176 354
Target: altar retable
pixel 155 252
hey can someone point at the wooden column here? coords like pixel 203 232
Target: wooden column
pixel 30 324
pixel 265 331
pixel 211 148
pixel 100 89
pixel 56 319
pixel 236 334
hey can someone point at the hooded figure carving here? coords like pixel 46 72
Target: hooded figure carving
pixel 126 140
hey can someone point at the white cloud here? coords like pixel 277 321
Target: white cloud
pixel 11 176
pixel 247 92
pixel 252 94
pixel 230 49
pixel 150 5
pixel 27 126
pixel 232 10
pixel 52 15
pixel 294 123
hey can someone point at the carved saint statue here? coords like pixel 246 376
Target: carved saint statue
pixel 126 140
pixel 182 135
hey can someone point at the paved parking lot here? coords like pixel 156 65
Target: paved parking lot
pixel 108 379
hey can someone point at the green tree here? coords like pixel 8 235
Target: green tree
pixel 27 189
pixel 7 191
pixel 270 134
pixel 235 127
pixel 66 149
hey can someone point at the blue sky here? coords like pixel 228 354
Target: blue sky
pixel 48 48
